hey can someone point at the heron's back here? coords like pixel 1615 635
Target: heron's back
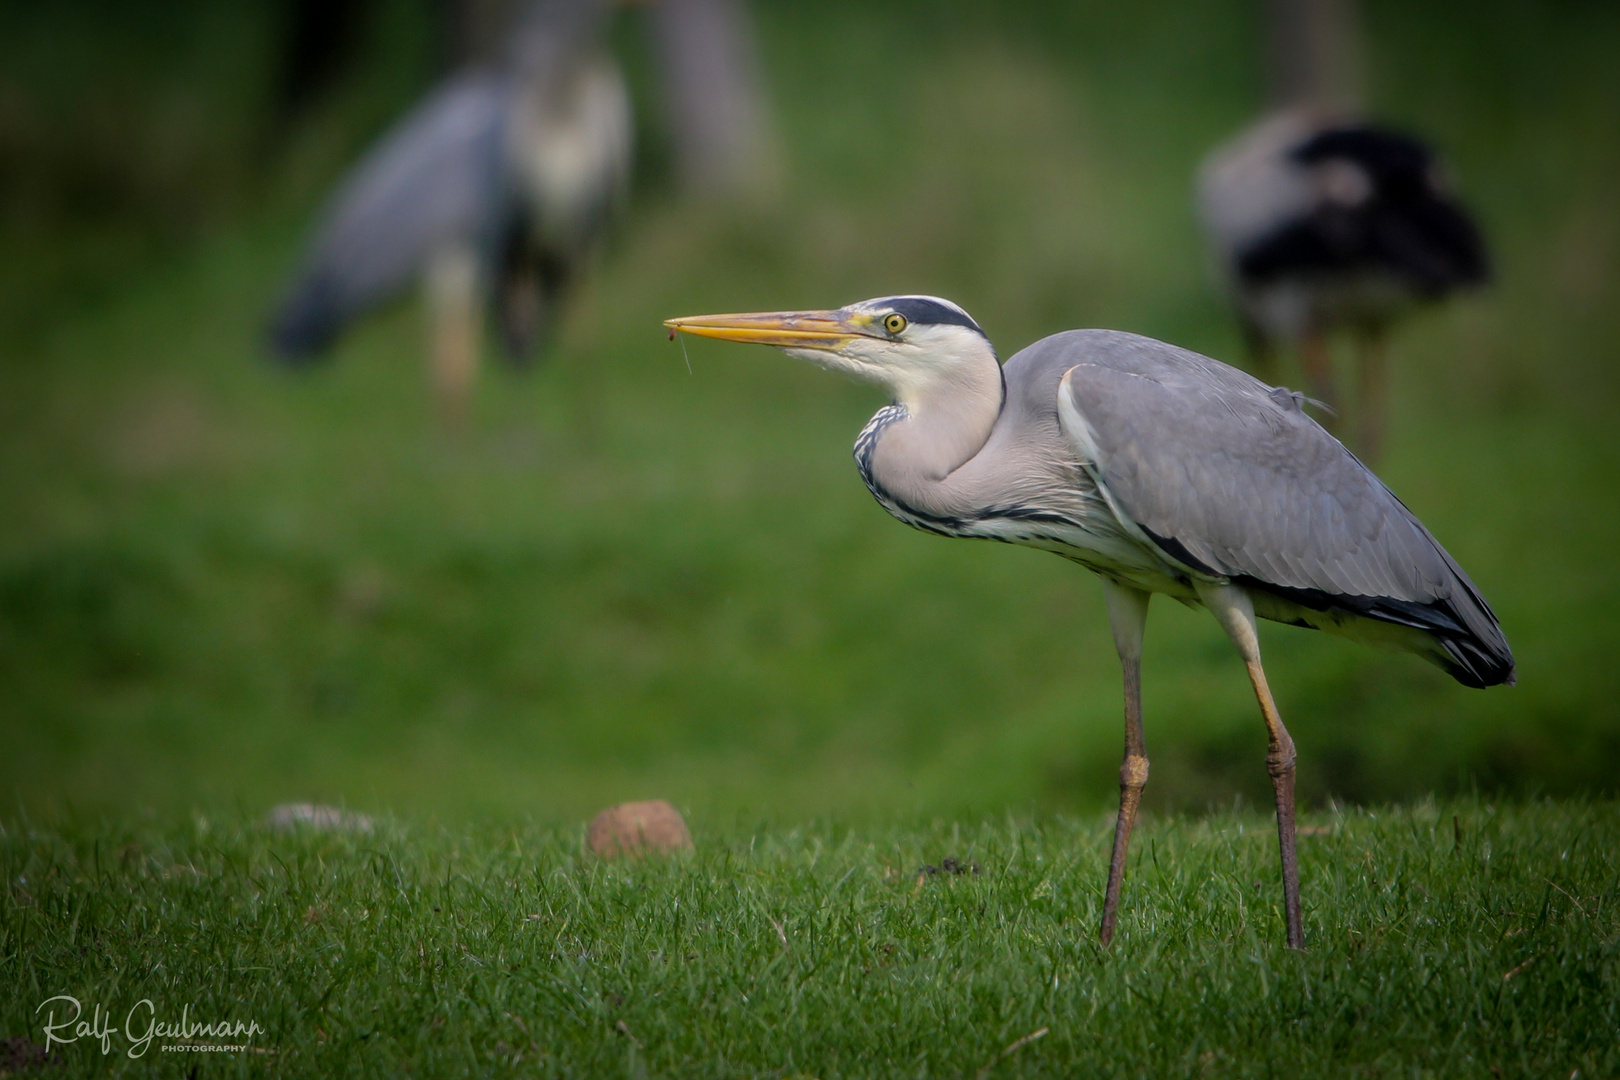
pixel 1227 477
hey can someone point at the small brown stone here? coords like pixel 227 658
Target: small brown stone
pixel 638 828
pixel 17 1054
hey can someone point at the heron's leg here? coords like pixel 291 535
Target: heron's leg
pixel 1370 395
pixel 1316 359
pixel 452 295
pixel 1232 607
pixel 1127 614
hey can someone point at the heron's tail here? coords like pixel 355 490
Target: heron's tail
pixel 1468 641
pixel 1458 632
pixel 1435 242
pixel 1478 656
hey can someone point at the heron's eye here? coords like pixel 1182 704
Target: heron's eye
pixel 894 322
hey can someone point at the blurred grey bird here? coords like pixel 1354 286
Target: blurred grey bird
pixel 494 191
pixel 1161 470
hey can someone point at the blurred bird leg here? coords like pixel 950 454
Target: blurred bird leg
pixel 1371 394
pixel 1233 609
pixel 452 296
pixel 1316 359
pixel 1127 615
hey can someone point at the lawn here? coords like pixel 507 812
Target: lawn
pixel 1459 939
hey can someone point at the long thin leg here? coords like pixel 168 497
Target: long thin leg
pixel 1127 614
pixel 1316 360
pixel 452 295
pixel 1234 610
pixel 1370 395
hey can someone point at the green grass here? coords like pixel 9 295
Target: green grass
pixel 1456 939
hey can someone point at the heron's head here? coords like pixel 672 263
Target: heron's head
pixel 909 345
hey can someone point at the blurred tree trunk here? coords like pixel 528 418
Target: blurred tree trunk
pixel 713 101
pixel 322 37
pixel 475 29
pixel 1315 53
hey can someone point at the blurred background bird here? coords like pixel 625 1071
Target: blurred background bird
pixel 1324 224
pixel 494 192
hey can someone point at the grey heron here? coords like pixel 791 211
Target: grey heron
pixel 496 188
pixel 1321 222
pixel 1163 471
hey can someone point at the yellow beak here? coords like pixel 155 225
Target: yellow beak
pixel 785 329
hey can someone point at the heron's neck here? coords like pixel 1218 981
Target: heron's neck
pixel 933 429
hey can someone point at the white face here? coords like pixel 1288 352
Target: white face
pixel 912 346
pixel 881 345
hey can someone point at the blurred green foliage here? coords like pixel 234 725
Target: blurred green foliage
pixel 223 584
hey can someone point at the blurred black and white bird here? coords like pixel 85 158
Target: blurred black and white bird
pixel 494 192
pixel 1322 223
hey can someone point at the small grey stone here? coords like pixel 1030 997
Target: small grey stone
pixel 290 816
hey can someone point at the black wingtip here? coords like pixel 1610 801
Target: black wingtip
pixel 1466 641
pixel 1437 243
pixel 302 330
pixel 294 346
pixel 1478 664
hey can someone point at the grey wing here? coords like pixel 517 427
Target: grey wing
pixel 435 179
pixel 1228 477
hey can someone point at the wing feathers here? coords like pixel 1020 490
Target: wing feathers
pixel 433 180
pixel 1227 478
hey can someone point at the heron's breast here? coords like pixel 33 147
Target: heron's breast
pixel 572 154
pixel 1043 501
